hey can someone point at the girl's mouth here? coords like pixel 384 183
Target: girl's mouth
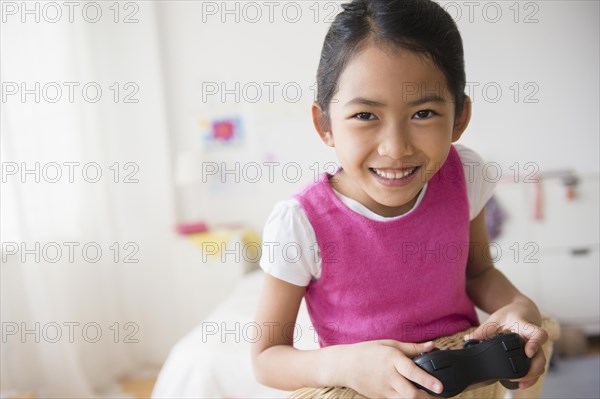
pixel 395 176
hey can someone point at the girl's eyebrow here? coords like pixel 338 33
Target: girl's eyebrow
pixel 364 101
pixel 432 98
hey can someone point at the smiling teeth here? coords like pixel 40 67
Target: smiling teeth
pixel 397 175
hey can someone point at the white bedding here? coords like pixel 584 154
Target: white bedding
pixel 213 360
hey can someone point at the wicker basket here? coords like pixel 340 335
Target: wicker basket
pixel 451 342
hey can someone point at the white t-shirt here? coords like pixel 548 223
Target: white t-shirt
pixel 290 251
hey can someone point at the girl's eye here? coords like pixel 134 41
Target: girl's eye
pixel 364 116
pixel 425 114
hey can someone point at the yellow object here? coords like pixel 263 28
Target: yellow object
pixel 212 242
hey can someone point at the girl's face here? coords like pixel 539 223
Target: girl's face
pixel 391 123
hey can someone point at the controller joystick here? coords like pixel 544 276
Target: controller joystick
pixel 500 358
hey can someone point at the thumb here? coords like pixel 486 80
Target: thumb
pixel 412 349
pixel 485 331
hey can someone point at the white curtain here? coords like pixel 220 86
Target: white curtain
pixel 53 308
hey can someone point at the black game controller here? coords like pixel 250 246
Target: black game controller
pixel 499 358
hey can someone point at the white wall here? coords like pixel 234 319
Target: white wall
pixel 557 56
pixel 230 53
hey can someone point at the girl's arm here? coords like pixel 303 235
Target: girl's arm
pixel 374 368
pixel 487 287
pixel 275 361
pixel 509 309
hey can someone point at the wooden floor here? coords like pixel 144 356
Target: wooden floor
pixel 140 388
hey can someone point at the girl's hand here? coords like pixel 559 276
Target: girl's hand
pixel 384 369
pixel 521 317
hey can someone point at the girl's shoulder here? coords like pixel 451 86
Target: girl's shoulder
pixel 468 156
pixel 288 226
pixel 289 212
pixel 479 186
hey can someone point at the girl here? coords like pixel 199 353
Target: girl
pixel 399 228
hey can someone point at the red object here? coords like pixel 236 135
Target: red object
pixel 223 130
pixel 191 228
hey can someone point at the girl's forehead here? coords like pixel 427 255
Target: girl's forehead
pixel 386 70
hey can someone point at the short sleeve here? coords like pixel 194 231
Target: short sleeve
pixel 479 189
pixel 289 249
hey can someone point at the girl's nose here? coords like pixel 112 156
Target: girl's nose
pixel 395 143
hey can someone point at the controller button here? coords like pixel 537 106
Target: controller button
pixel 517 363
pixel 510 344
pixel 440 363
pixel 470 342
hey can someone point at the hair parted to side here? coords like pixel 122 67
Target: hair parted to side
pixel 421 26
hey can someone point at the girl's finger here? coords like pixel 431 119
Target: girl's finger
pixel 406 389
pixel 538 364
pixel 407 368
pixel 537 368
pixel 410 349
pixel 527 384
pixel 534 341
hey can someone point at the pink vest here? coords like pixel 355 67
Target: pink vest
pixel 403 279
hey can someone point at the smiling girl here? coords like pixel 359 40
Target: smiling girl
pixel 399 228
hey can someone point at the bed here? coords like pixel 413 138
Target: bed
pixel 213 360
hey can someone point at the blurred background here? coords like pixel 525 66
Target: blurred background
pixel 144 143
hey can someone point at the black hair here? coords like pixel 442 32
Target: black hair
pixel 420 26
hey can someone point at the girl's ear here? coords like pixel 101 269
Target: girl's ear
pixel 322 124
pixel 461 123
